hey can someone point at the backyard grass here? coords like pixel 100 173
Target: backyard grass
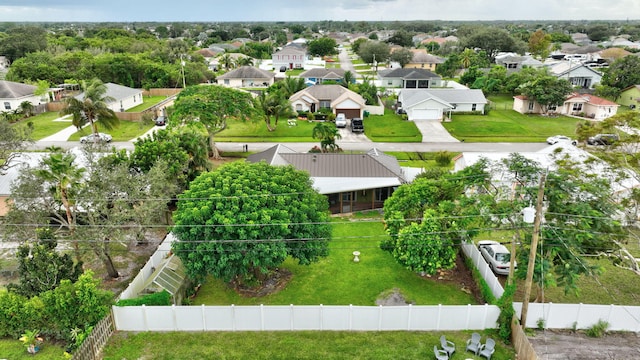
pixel 294 72
pixel 420 160
pixel 147 102
pixel 43 124
pixel 13 349
pixel 256 131
pixel 337 280
pixel 391 128
pixel 290 345
pixel 126 131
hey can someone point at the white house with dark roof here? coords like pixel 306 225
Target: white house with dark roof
pixel 246 76
pixel 351 182
pixel 289 57
pixel 320 75
pixel 12 94
pixel 577 73
pixel 433 104
pixel 409 78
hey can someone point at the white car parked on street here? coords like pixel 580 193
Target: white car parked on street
pixel 561 139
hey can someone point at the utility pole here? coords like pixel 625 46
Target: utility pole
pixel 532 253
pixel 184 80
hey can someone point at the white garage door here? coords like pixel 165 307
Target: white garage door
pixel 426 114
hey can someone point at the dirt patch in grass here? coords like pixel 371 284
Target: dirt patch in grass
pixel 276 281
pixel 459 276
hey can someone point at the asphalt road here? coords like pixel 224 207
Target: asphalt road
pixel 345 145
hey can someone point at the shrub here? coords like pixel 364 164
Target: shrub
pixel 540 324
pixel 162 298
pixel 443 158
pixel 505 303
pixel 598 329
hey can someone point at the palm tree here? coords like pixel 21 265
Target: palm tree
pixel 292 85
pixel 348 79
pixel 26 108
pixel 328 134
pixel 466 57
pixel 64 177
pixel 92 108
pixel 244 61
pixel 227 61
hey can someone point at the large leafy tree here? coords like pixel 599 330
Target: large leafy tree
pixel 623 73
pixel 244 219
pixel 492 41
pixel 546 90
pixel 374 52
pixel 13 139
pixel 540 44
pixel 23 40
pixel 92 108
pixel 322 47
pixel 211 106
pixel 402 56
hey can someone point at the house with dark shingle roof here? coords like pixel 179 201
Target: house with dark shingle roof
pixel 124 97
pixel 320 75
pixel 351 182
pixel 246 76
pixel 12 94
pixel 409 78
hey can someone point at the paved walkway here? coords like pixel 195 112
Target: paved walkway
pixel 63 134
pixel 433 131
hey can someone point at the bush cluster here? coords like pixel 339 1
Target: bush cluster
pixel 162 298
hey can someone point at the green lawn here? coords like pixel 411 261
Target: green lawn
pixel 290 345
pixel 15 350
pixel 125 132
pixel 391 128
pixel 43 124
pixel 294 72
pixel 147 102
pixel 509 126
pixel 337 280
pixel 256 131
pixel 419 160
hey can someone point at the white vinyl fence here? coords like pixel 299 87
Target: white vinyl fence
pixel 472 252
pixel 581 316
pixel 314 317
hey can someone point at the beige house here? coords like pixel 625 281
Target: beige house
pixel 335 97
pixel 423 60
pixel 583 105
pixel 246 76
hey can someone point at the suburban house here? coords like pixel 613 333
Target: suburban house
pixel 423 60
pixel 516 63
pixel 409 78
pixel 577 73
pixel 289 57
pixel 434 104
pixel 246 76
pixel 124 97
pixel 630 97
pixel 583 105
pixel 351 182
pixel 320 75
pixel 335 97
pixel 12 94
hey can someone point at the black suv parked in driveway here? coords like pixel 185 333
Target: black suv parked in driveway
pixel 357 126
pixel 603 139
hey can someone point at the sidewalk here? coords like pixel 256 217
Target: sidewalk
pixel 62 135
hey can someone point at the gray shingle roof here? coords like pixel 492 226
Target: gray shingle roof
pixel 117 92
pixel 248 72
pixel 325 92
pixel 451 96
pixel 290 50
pixel 409 73
pixel 323 73
pixel 14 90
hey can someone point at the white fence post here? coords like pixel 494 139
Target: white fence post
pixel 204 319
pixel 174 317
pixel 466 324
pixel 144 316
pixel 292 316
pixel 578 316
pixel 379 317
pixel 409 318
pixel 261 317
pixel 321 318
pixel 233 317
pixel 350 317
pixel 439 314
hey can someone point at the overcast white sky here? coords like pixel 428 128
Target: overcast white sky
pixel 314 10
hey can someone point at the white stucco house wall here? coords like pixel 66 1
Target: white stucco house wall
pixel 124 98
pixel 291 57
pixel 584 105
pixel 435 104
pixel 12 94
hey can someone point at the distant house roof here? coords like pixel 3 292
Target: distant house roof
pixel 408 74
pixel 337 172
pixel 411 97
pixel 327 92
pixel 248 72
pixel 420 56
pixel 591 99
pixel 14 90
pixel 565 67
pixel 290 50
pixel 327 74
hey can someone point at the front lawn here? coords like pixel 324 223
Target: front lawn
pixel 391 128
pixel 14 349
pixel 147 102
pixel 43 124
pixel 256 131
pixel 294 72
pixel 509 126
pixel 337 280
pixel 291 345
pixel 126 131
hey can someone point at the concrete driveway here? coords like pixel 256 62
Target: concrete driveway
pixel 433 131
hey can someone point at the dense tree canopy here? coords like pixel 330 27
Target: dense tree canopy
pixel 548 91
pixel 244 219
pixel 402 56
pixel 374 52
pixel 20 41
pixel 492 41
pixel 623 73
pixel 322 47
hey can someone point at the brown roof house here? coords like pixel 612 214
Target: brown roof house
pixel 351 182
pixel 423 60
pixel 335 97
pixel 246 76
pixel 583 105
